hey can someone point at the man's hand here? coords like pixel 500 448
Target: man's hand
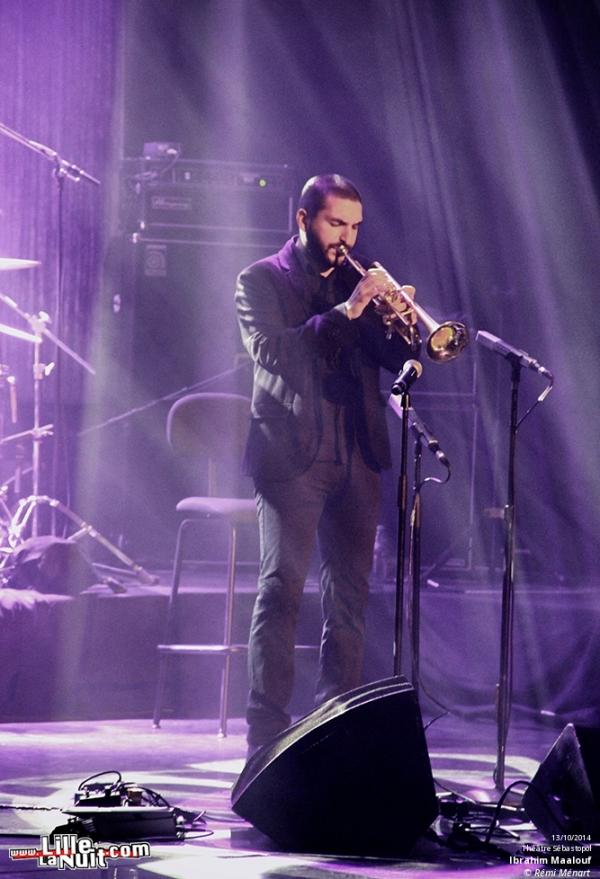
pixel 400 305
pixel 379 283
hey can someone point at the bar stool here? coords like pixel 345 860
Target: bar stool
pixel 211 426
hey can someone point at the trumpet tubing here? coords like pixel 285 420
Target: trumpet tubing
pixel 445 341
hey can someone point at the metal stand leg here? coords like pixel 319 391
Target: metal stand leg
pixel 224 650
pixel 162 660
pixel 228 634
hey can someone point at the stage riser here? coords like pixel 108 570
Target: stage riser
pixel 95 656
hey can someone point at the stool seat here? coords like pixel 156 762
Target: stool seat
pixel 219 649
pixel 237 510
pixel 202 649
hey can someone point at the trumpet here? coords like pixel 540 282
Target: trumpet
pixel 445 341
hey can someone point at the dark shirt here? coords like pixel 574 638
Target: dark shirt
pixel 337 395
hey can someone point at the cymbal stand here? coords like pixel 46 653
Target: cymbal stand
pixel 38 324
pixel 15 480
pixel 62 170
pixel 40 370
pixel 27 508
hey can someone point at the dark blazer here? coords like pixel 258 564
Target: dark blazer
pixel 286 340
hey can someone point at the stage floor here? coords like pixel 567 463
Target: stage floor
pixel 42 764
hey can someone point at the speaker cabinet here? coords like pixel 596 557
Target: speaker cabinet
pixel 564 795
pixel 353 777
pixel 168 326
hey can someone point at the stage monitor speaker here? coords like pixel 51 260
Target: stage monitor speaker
pixel 564 794
pixel 353 777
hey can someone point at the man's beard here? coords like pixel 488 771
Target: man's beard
pixel 315 251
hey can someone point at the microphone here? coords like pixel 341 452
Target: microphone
pixel 515 355
pixel 421 429
pixel 407 376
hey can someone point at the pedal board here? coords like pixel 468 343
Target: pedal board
pixel 126 823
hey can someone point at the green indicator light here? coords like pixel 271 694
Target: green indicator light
pixel 262 182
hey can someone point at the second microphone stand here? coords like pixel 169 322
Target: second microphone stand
pixel 414 560
pixel 518 360
pixel 410 418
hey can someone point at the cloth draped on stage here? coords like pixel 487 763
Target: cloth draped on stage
pixel 54 662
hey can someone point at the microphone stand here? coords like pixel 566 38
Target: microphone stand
pixel 518 359
pixel 505 683
pixel 421 432
pixel 410 372
pixel 402 498
pixel 414 564
pixel 414 567
pixel 62 166
pixel 172 395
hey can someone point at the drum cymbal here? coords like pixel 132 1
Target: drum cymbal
pixel 7 263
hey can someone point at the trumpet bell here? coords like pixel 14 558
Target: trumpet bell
pixel 447 341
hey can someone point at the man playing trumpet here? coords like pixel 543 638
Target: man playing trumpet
pixel 317 443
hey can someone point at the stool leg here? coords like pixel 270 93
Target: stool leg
pixel 162 661
pixel 160 689
pixel 228 633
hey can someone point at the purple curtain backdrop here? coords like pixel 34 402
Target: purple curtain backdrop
pixel 59 63
pixel 494 104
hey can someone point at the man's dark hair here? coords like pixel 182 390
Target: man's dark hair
pixel 315 191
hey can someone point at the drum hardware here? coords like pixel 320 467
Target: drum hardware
pixel 6 330
pixel 62 170
pixel 26 512
pixel 8 264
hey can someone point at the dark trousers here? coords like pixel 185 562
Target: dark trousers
pixel 339 505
